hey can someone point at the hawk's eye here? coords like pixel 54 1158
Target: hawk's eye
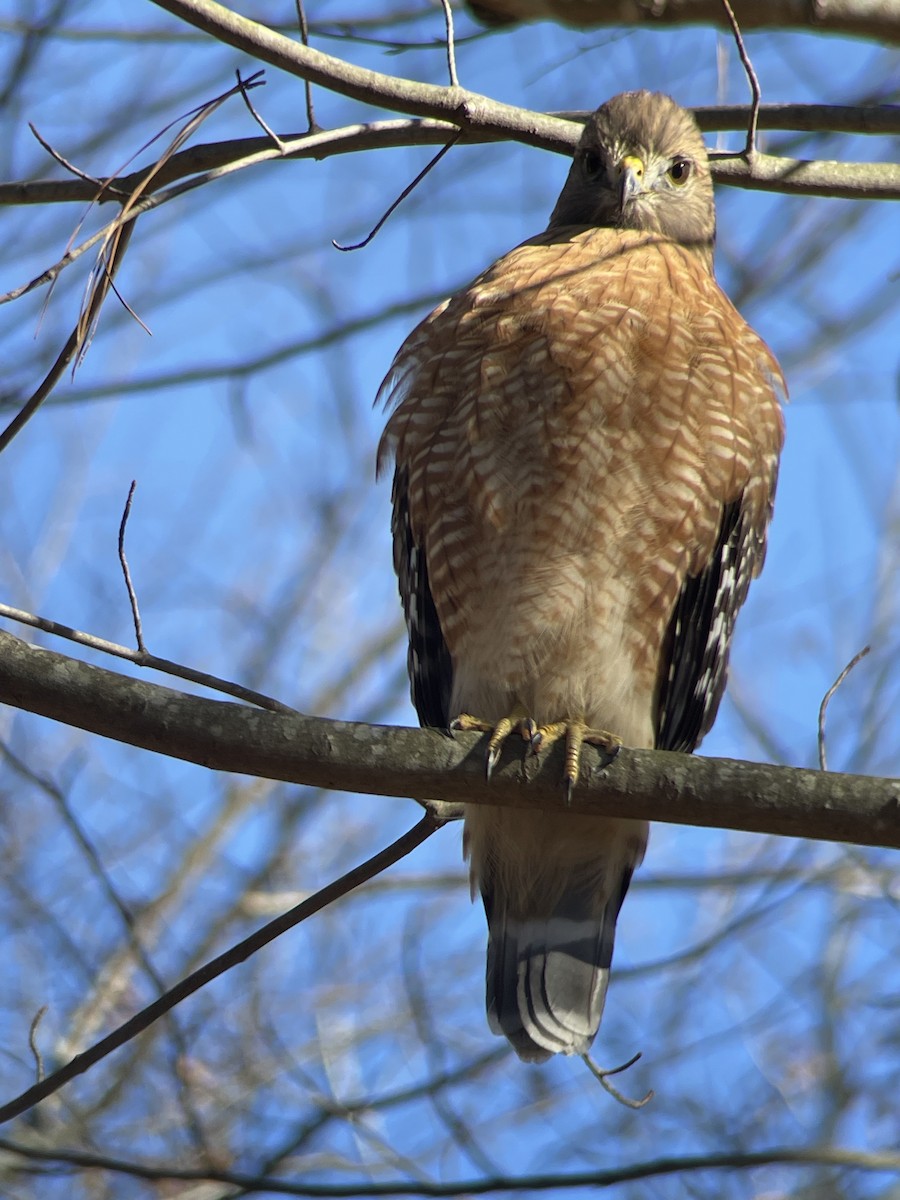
pixel 591 164
pixel 680 170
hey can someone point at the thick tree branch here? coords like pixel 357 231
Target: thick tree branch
pixel 879 19
pixel 379 760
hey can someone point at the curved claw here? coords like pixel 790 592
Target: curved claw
pixel 491 760
pixel 499 732
pixel 539 738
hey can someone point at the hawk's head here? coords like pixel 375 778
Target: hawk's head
pixel 641 164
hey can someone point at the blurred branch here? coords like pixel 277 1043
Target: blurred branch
pixel 858 18
pixel 379 862
pixel 245 368
pixel 808 177
pixel 888 1161
pixel 381 760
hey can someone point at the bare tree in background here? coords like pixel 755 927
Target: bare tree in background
pixel 351 1057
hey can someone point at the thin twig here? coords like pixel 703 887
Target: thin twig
pixel 113 246
pixel 245 96
pixel 451 43
pixel 75 343
pixel 64 162
pixel 179 1046
pixel 312 125
pixel 144 659
pixel 32 1042
pixel 219 965
pixel 114 242
pixel 406 191
pixel 823 762
pixel 602 1075
pixel 755 93
pixel 131 312
pixel 132 594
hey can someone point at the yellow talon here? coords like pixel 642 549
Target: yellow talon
pixel 576 734
pixel 500 730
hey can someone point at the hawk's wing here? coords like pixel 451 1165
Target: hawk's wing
pixel 429 664
pixel 694 659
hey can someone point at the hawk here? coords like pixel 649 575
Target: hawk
pixel 586 442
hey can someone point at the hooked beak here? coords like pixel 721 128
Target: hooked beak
pixel 631 179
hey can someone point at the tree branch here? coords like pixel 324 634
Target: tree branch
pixel 468 110
pixel 381 760
pixel 873 181
pixel 870 119
pixel 879 19
pixel 480 117
pixel 141 1021
pixel 836 1156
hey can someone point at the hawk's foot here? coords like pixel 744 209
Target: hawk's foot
pixel 515 722
pixel 576 734
pixel 540 738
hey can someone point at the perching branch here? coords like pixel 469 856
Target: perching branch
pixel 380 760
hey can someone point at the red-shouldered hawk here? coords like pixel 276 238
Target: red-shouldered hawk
pixel 586 443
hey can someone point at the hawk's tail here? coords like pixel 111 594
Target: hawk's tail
pixel 547 973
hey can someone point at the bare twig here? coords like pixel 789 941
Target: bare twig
pixel 32 1042
pixel 245 96
pixel 602 1075
pixel 826 699
pixel 64 162
pixel 755 93
pixel 179 1046
pixel 312 125
pixel 100 281
pixel 451 43
pixel 132 594
pixel 114 240
pixel 141 658
pixel 406 191
pixel 74 342
pixel 219 965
